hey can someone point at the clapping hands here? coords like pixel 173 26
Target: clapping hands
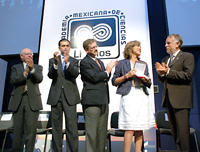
pixel 161 68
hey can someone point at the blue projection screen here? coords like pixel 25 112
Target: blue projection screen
pixel 20 25
pixel 183 18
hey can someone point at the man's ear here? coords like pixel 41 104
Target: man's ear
pixel 178 44
pixel 21 56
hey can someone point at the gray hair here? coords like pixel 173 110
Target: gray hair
pixel 177 38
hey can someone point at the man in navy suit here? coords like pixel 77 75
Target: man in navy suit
pixel 176 72
pixel 63 97
pixel 25 101
pixel 95 96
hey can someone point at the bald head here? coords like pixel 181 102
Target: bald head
pixel 25 50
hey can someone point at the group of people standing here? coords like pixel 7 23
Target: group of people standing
pixel 135 110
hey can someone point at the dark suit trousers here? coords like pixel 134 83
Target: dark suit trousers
pixel 179 123
pixel 71 125
pixel 25 121
pixel 96 121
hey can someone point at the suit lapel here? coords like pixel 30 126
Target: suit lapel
pixel 21 67
pixel 128 64
pixel 95 64
pixel 178 56
pixel 70 59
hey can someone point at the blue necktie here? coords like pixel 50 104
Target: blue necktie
pixel 63 64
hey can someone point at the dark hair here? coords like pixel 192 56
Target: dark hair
pixel 63 40
pixel 129 48
pixel 177 38
pixel 87 42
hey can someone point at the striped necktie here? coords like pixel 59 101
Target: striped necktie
pixel 25 87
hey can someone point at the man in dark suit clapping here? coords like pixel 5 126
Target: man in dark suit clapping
pixel 176 72
pixel 95 97
pixel 25 101
pixel 63 97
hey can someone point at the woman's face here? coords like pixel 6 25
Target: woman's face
pixel 136 50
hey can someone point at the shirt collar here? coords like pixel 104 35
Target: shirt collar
pixel 24 64
pixel 92 57
pixel 175 54
pixel 62 56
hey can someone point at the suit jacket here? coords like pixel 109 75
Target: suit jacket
pixel 179 81
pixel 19 81
pixel 63 81
pixel 123 67
pixel 95 82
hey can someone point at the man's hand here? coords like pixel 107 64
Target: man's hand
pixel 161 68
pixel 56 55
pixel 66 57
pixel 30 64
pixel 111 65
pixel 26 71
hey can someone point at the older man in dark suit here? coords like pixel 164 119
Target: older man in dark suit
pixel 176 72
pixel 63 97
pixel 25 101
pixel 95 97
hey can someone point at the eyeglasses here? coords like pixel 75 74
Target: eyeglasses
pixel 31 54
pixel 92 48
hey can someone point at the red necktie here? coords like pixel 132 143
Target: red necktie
pixel 98 63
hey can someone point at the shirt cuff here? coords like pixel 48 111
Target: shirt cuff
pixel 168 71
pixel 107 73
pixel 67 65
pixel 32 71
pixel 55 67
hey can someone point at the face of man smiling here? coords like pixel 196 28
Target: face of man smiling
pixel 26 55
pixel 171 45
